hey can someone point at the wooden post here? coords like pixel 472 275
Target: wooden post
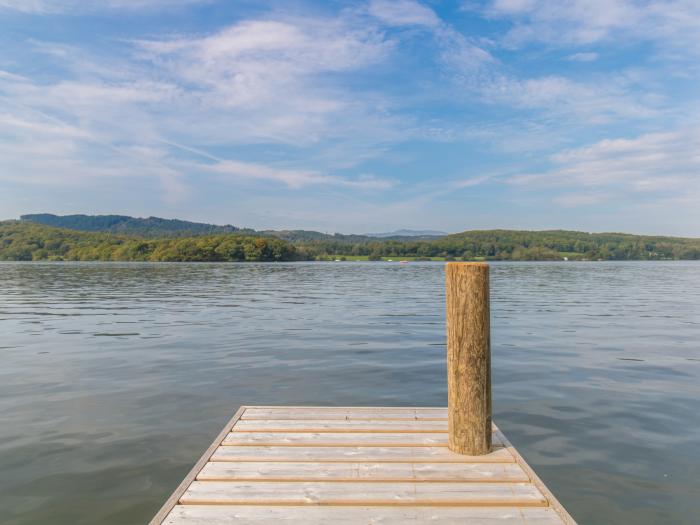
pixel 468 358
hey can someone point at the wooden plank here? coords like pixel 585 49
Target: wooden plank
pixel 346 413
pixel 192 474
pixel 346 439
pixel 298 471
pixel 361 493
pixel 320 439
pixel 536 481
pixel 318 515
pixel 345 465
pixel 355 454
pixel 339 425
pixel 307 409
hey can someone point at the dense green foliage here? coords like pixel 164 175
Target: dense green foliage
pixel 521 246
pixel 26 241
pixel 153 227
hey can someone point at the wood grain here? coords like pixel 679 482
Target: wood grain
pixel 356 414
pixel 359 468
pixel 304 471
pixel 339 425
pixel 468 357
pixel 354 454
pixel 320 515
pixel 362 493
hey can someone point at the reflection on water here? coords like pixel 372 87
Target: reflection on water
pixel 115 377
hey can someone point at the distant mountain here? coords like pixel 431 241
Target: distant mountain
pixel 310 235
pixel 125 225
pixel 424 234
pixel 155 227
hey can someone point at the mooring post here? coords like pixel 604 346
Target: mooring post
pixel 468 358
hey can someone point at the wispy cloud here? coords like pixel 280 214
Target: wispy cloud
pixel 269 72
pixel 83 6
pixel 595 102
pixel 322 107
pixel 667 23
pixel 256 81
pixel 575 200
pixel 295 178
pixel 583 57
pixel 662 164
pixel 403 13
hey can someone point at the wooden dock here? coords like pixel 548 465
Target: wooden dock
pixel 360 465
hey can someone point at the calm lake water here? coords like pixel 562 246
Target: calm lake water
pixel 114 378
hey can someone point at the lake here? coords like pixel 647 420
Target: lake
pixel 116 377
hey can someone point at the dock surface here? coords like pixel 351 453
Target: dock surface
pixel 355 465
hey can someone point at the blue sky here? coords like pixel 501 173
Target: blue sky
pixel 355 116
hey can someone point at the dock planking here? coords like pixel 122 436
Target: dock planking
pixel 359 465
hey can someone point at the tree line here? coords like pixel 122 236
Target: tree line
pixel 25 241
pixel 32 242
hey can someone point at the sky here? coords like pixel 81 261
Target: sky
pixel 355 116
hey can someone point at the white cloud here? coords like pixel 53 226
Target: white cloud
pixel 460 55
pixel 583 57
pixel 253 82
pixel 663 165
pixel 575 200
pixel 403 13
pixel 667 23
pixel 594 102
pixel 37 149
pixel 473 181
pixel 597 100
pixel 267 76
pixel 42 7
pixel 295 178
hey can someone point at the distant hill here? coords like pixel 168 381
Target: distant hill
pixel 310 235
pixel 29 241
pixel 417 234
pixel 119 237
pixel 125 225
pixel 156 227
pixel 156 239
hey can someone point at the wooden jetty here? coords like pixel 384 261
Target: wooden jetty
pixel 360 465
pixel 375 465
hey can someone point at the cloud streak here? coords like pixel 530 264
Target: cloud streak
pixel 44 7
pixel 256 81
pixel 350 110
pixel 655 164
pixel 667 23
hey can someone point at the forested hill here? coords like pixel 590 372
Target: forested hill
pixel 504 245
pixel 156 227
pixel 26 241
pixel 152 227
